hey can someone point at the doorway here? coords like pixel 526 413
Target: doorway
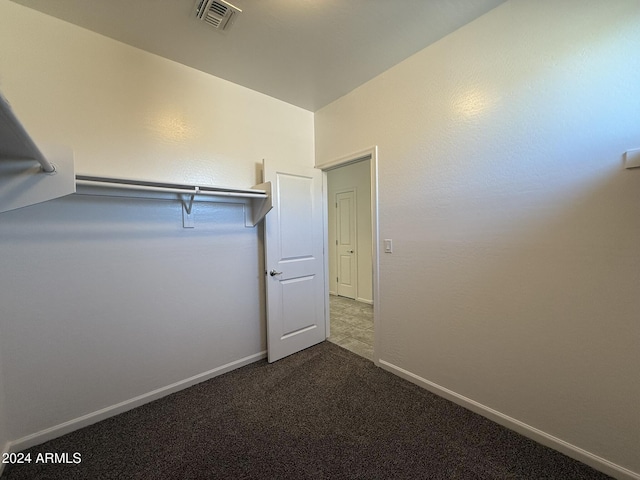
pixel 351 202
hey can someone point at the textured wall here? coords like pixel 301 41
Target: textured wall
pixel 515 272
pixel 102 300
pixel 127 112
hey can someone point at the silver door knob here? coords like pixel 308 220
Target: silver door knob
pixel 273 273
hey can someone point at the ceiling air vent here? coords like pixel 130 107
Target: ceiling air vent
pixel 217 13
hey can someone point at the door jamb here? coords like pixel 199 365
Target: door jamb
pixel 372 155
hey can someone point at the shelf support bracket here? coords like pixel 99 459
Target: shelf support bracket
pixel 187 218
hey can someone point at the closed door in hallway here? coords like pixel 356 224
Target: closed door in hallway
pixel 347 267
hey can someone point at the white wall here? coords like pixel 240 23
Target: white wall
pixel 515 272
pixel 104 300
pixel 358 177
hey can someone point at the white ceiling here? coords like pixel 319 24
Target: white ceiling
pixel 304 52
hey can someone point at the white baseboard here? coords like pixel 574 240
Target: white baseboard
pixel 364 300
pixel 357 299
pixel 104 413
pixel 533 433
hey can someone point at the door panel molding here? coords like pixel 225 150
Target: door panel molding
pixel 346 242
pixel 294 260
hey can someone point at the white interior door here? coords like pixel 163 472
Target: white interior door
pixel 294 261
pixel 346 243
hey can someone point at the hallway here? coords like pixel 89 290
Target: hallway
pixel 352 325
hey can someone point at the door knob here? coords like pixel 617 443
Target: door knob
pixel 273 273
pixel 350 251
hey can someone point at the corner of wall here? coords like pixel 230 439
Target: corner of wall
pixel 5 445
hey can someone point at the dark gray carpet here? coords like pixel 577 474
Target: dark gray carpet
pixel 324 413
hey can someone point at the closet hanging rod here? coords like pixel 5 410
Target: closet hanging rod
pixel 168 187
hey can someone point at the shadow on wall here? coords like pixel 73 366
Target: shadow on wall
pixel 103 300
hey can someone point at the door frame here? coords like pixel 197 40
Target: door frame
pixel 370 154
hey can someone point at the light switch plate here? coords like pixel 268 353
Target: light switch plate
pixel 388 245
pixel 632 158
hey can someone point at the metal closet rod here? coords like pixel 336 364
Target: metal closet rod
pixel 129 184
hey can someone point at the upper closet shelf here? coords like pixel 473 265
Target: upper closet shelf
pixel 256 200
pixel 22 181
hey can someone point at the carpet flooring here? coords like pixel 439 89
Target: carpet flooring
pixel 324 413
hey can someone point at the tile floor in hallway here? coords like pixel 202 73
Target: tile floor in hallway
pixel 352 325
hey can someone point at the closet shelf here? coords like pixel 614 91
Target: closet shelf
pixel 256 200
pixel 15 142
pixel 22 182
